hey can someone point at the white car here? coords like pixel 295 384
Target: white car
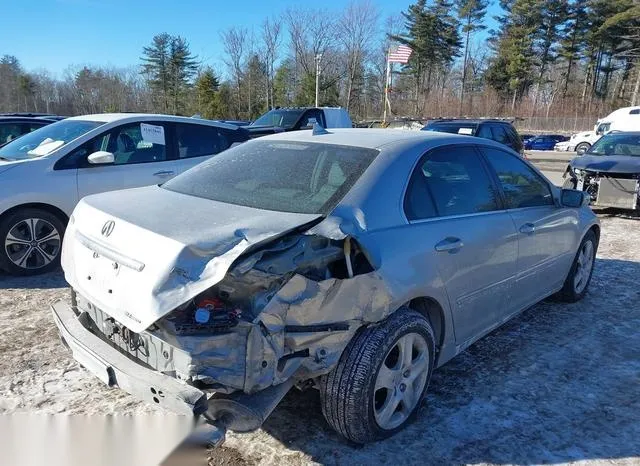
pixel 44 174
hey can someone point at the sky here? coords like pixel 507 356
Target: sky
pixel 56 34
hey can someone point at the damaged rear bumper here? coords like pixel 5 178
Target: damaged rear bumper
pixel 116 369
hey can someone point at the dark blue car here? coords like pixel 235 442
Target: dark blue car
pixel 544 142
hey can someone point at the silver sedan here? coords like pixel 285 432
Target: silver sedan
pixel 353 261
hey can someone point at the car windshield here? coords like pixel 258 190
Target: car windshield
pixel 617 144
pixel 301 177
pixel 281 118
pixel 454 128
pixel 46 139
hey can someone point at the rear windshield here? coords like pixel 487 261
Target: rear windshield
pixel 454 128
pixel 302 177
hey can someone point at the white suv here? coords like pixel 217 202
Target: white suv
pixel 44 174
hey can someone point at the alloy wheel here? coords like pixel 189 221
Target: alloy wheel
pixel 32 243
pixel 401 380
pixel 583 267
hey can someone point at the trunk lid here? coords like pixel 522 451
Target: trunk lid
pixel 137 254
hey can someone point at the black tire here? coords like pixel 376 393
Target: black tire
pixel 582 145
pixel 348 393
pixel 39 261
pixel 569 294
pixel 569 183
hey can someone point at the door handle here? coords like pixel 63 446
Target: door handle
pixel 528 229
pixel 449 245
pixel 164 173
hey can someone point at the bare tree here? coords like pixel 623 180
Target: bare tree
pixel 312 34
pixel 235 45
pixel 272 40
pixel 356 30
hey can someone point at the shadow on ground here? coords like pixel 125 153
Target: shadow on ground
pixel 53 279
pixel 558 383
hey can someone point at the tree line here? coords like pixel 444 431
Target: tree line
pixel 544 57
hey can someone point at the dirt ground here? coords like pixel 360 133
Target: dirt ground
pixel 560 383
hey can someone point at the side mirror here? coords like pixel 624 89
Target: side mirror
pixel 573 198
pixel 101 157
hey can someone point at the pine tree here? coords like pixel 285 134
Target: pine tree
pixel 207 87
pixel 471 14
pixel 169 66
pixel 572 39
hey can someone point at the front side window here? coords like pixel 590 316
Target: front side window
pixel 137 143
pixel 10 131
pixel 307 120
pixel 603 128
pixel 199 140
pixel 281 118
pixel 45 140
pixel 616 144
pixel 521 185
pixel 450 181
pixel 285 176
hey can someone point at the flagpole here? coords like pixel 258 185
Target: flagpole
pixel 386 89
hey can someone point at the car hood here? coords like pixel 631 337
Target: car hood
pixel 138 254
pixel 584 134
pixel 611 164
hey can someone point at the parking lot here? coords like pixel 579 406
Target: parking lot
pixel 559 383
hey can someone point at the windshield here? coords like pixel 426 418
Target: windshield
pixel 46 139
pixel 301 177
pixel 454 128
pixel 281 118
pixel 617 144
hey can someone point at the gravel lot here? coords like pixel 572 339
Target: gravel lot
pixel 560 383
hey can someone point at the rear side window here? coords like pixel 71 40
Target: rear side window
pixel 199 140
pixel 500 135
pixel 9 131
pixel 521 185
pixel 450 181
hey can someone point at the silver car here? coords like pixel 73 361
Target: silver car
pixel 355 262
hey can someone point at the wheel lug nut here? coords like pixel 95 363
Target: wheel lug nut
pixel 406 373
pixel 402 387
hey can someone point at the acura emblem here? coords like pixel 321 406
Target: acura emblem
pixel 107 228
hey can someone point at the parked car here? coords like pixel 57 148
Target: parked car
pixel 296 118
pixel 12 127
pixel 544 142
pixel 609 171
pixel 498 130
pixel 623 119
pixel 354 261
pixel 43 174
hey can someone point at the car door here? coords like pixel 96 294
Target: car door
pixel 196 143
pixel 455 211
pixel 547 233
pixel 142 157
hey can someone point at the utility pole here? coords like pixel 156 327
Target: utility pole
pixel 318 58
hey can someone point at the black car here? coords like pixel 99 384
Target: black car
pixel 15 126
pixel 498 130
pixel 609 171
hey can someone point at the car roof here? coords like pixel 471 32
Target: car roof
pixel 371 138
pixel 469 120
pixel 133 117
pixel 25 119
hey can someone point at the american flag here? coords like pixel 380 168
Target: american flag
pixel 400 55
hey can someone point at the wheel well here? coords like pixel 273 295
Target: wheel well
pixel 36 205
pixel 431 309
